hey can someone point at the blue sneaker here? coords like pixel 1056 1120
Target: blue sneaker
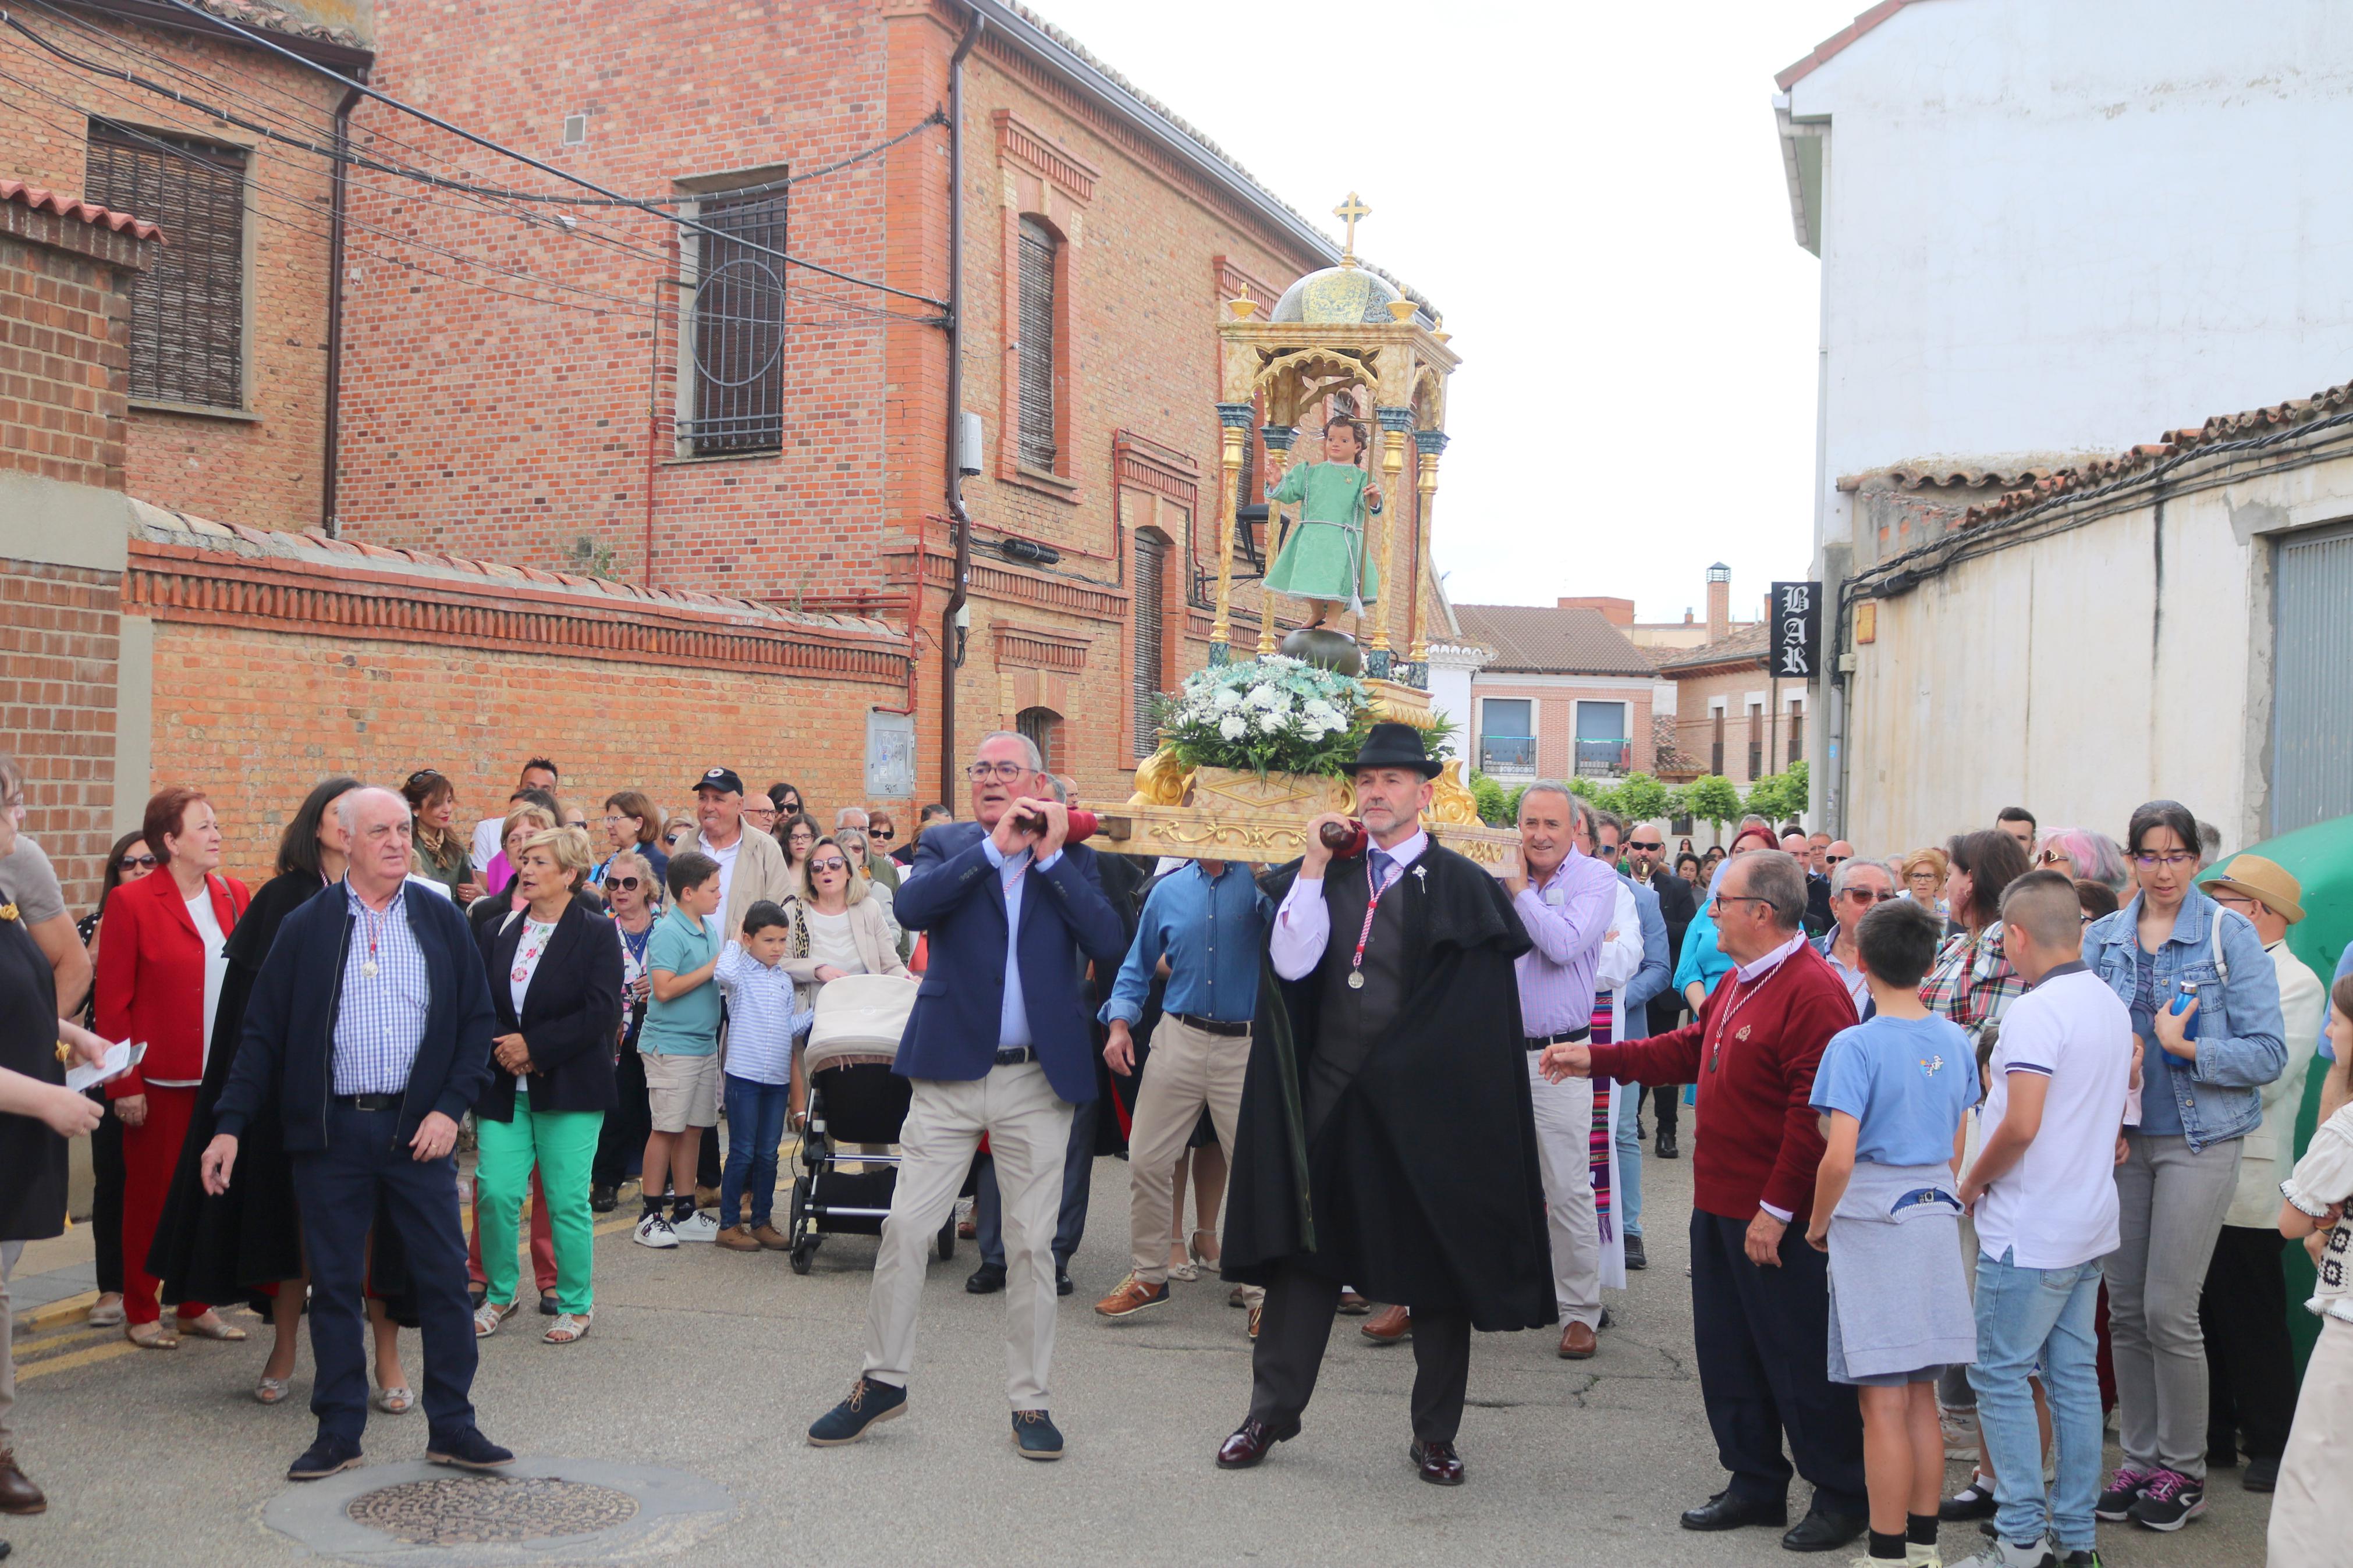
pixel 1035 1435
pixel 847 1422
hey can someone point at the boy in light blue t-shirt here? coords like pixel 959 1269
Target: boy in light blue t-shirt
pixel 679 1044
pixel 1894 1092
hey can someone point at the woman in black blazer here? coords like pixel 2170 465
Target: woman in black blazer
pixel 556 978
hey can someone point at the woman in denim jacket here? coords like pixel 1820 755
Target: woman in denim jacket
pixel 2199 1099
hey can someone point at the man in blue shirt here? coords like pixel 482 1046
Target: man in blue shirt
pixel 1208 921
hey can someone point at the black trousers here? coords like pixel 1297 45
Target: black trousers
pixel 1763 1369
pixel 1297 1324
pixel 627 1127
pixel 1666 1104
pixel 106 1197
pixel 2249 1360
pixel 366 1161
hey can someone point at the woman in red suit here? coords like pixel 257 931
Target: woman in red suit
pixel 160 967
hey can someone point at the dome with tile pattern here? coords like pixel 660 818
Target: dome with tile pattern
pixel 1336 294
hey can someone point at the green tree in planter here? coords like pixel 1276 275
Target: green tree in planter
pixel 1712 798
pixel 1640 798
pixel 1488 797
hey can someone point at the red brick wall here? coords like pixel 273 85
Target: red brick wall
pixel 265 470
pixel 1695 731
pixel 1555 721
pixel 256 718
pixel 60 631
pixel 65 327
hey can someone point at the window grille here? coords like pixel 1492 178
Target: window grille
pixel 1039 444
pixel 739 326
pixel 1151 581
pixel 187 309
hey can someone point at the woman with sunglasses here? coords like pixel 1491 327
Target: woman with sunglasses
pixel 129 860
pixel 632 888
pixel 2206 1017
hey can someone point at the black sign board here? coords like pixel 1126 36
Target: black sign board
pixel 1796 652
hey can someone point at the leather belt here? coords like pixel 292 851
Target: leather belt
pixel 1016 1055
pixel 1566 1037
pixel 371 1102
pixel 1211 1025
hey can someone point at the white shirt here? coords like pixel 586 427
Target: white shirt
pixel 726 859
pixel 209 932
pixel 487 833
pixel 1303 925
pixel 1621 949
pixel 529 951
pixel 1757 969
pixel 2057 1206
pixel 830 940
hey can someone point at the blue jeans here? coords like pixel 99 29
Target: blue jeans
pixel 2022 1314
pixel 1627 1099
pixel 755 1125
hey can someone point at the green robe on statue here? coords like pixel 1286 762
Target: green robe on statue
pixel 1333 501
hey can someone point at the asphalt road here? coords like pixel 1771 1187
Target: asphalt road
pixel 713 1363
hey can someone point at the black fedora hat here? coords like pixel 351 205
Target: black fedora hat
pixel 1396 746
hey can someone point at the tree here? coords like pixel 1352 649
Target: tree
pixel 1782 797
pixel 1489 796
pixel 1712 798
pixel 1641 797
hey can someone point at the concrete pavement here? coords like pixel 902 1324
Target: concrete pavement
pixel 713 1363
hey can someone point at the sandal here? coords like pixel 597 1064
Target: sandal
pixel 272 1390
pixel 1186 1271
pixel 152 1336
pixel 107 1313
pixel 398 1401
pixel 570 1328
pixel 207 1325
pixel 489 1316
pixel 1202 1260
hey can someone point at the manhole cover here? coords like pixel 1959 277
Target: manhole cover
pixel 493 1509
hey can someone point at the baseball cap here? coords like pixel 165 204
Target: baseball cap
pixel 721 778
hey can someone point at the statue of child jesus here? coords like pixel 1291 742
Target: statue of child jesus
pixel 1325 561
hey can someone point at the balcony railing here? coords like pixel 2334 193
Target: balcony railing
pixel 1508 753
pixel 1604 758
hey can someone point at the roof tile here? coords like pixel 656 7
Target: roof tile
pixel 1542 640
pixel 42 200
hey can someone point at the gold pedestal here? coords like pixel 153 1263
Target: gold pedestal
pixel 1225 813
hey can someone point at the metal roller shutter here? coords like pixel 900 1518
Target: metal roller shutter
pixel 2312 671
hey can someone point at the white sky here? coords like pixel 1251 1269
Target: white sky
pixel 1593 195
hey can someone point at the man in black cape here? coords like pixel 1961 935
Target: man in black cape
pixel 1386 1136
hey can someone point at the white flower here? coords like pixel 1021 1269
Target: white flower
pixel 1232 727
pixel 1324 716
pixel 1269 723
pixel 1227 697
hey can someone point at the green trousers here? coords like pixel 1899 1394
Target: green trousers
pixel 562 1145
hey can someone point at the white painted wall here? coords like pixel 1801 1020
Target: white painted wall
pixel 1451 670
pixel 2055 229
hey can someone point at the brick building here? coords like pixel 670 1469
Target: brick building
pixel 1730 719
pixel 1561 692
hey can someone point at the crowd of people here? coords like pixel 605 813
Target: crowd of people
pixel 1991 1138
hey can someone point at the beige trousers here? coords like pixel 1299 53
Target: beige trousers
pixel 1189 1068
pixel 1564 1155
pixel 1028 1127
pixel 8 1254
pixel 2308 1525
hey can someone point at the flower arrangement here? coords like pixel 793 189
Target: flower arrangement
pixel 1276 715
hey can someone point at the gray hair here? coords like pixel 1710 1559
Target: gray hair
pixel 1060 786
pixel 348 803
pixel 12 778
pixel 1844 873
pixel 841 818
pixel 1580 811
pixel 1775 878
pixel 1028 747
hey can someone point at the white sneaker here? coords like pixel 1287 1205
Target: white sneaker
pixel 654 1230
pixel 1961 1428
pixel 702 1226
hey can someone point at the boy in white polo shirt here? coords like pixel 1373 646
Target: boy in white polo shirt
pixel 2044 1192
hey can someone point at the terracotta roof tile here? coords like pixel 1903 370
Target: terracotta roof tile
pixel 257 14
pixel 1821 53
pixel 1540 639
pixel 1744 645
pixel 42 200
pixel 1924 477
pixel 2134 461
pixel 1667 760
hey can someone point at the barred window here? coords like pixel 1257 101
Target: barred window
pixel 1039 447
pixel 1151 584
pixel 187 310
pixel 739 326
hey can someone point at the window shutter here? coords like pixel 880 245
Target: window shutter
pixel 1151 580
pixel 1039 448
pixel 739 327
pixel 187 310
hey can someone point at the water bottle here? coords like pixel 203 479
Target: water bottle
pixel 2184 993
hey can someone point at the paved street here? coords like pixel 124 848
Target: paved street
pixel 712 1363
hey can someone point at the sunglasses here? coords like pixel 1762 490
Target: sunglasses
pixel 627 884
pixel 1836 860
pixel 884 834
pixel 830 863
pixel 147 861
pixel 1638 844
pixel 2051 858
pixel 421 774
pixel 1864 896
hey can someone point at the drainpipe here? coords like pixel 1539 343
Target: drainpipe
pixel 332 433
pixel 953 617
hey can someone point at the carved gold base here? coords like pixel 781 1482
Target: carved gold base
pixel 1225 813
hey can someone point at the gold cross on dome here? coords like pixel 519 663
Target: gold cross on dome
pixel 1350 211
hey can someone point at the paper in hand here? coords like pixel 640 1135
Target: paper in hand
pixel 120 1058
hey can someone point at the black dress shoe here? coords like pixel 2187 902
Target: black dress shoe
pixel 1250 1443
pixel 1635 1256
pixel 602 1198
pixel 1724 1511
pixel 324 1458
pixel 547 1304
pixel 986 1281
pixel 1820 1531
pixel 1062 1285
pixel 1666 1146
pixel 1436 1463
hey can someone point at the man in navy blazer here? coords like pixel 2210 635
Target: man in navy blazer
pixel 1000 1043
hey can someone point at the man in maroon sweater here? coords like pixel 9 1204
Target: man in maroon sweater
pixel 1760 1296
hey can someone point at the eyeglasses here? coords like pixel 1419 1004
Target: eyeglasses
pixel 421 775
pixel 1653 848
pixel 1865 896
pixel 884 834
pixel 2170 859
pixel 1721 899
pixel 146 862
pixel 1836 859
pixel 981 772
pixel 830 863
pixel 627 884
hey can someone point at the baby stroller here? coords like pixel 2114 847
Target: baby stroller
pixel 854 1099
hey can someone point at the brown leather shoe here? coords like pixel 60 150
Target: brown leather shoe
pixel 18 1494
pixel 1436 1463
pixel 1577 1343
pixel 1250 1444
pixel 770 1237
pixel 1255 1314
pixel 1388 1326
pixel 1353 1304
pixel 738 1238
pixel 1132 1297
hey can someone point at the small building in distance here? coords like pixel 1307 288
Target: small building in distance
pixel 1731 719
pixel 1560 692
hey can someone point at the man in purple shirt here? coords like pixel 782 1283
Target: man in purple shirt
pixel 1565 899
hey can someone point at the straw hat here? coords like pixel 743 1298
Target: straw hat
pixel 2266 881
